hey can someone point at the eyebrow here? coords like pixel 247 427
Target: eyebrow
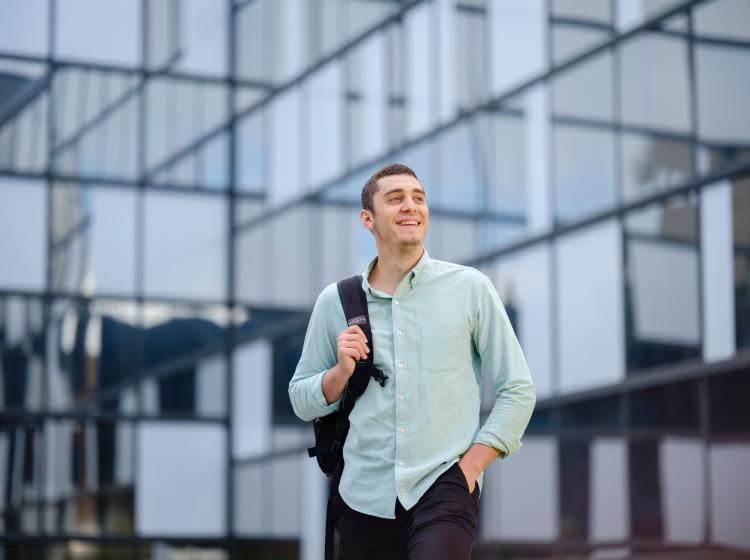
pixel 400 190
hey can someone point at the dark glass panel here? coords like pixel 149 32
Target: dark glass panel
pixel 670 407
pixel 645 490
pixel 574 489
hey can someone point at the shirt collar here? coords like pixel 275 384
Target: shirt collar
pixel 415 275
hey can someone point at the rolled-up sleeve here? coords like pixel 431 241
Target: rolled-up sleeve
pixel 318 356
pixel 503 361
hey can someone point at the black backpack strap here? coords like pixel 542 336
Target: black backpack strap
pixel 354 301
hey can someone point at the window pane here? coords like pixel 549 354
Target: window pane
pixel 654 82
pixel 589 10
pixel 23 27
pixel 518 41
pixel 419 85
pixel 22 219
pixel 202 37
pixel 522 281
pixel 193 391
pixel 667 408
pixel 662 283
pixel 24 101
pixel 179 115
pixel 653 163
pixel 585 90
pixel 324 99
pixel 723 111
pixel 94 238
pixel 366 99
pixel 185 253
pixel 584 167
pixel 590 307
pixel 251 155
pixel 173 331
pixel 571 40
pixel 172 457
pixel 89 477
pixel 96 123
pixel 97 31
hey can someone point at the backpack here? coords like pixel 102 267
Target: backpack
pixel 331 430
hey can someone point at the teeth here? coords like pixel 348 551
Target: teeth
pixel 408 223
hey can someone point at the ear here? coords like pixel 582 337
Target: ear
pixel 366 219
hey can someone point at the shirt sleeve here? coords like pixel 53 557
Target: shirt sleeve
pixel 503 361
pixel 318 356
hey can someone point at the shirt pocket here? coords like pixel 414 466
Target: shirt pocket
pixel 444 340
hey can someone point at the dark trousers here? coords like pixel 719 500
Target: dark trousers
pixel 441 526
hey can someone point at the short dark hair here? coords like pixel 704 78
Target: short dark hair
pixel 371 186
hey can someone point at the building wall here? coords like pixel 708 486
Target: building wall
pixel 179 180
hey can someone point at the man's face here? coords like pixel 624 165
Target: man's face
pixel 401 215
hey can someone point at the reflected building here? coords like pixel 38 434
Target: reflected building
pixel 180 178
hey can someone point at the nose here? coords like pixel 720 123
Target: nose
pixel 408 203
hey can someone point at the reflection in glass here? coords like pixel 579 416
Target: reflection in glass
pixel 654 84
pixel 741 224
pixel 19 476
pixel 185 252
pixel 574 488
pixel 111 30
pixel 92 350
pixel 24 101
pixel 96 123
pixel 589 299
pixel 668 408
pixel 93 246
pixel 173 331
pixel 22 220
pixel 585 90
pixel 21 353
pixel 180 114
pixel 723 111
pixel 584 167
pixel 652 163
pixel 571 40
pixel 662 284
pixel 646 517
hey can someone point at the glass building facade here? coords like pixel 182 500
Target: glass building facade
pixel 180 178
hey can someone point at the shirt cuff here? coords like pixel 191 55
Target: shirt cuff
pixel 498 442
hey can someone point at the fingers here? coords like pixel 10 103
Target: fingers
pixel 353 338
pixel 355 346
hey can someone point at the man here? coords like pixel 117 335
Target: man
pixel 415 452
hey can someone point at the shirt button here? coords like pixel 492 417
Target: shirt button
pixel 400 463
pixel 401 397
pixel 401 364
pixel 402 430
pixel 397 302
pixel 398 332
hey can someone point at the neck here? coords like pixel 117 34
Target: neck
pixel 392 266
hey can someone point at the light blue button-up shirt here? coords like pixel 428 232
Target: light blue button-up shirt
pixel 434 338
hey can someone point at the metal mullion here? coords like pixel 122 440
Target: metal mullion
pixel 231 286
pixel 704 393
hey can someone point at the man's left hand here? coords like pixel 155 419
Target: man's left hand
pixel 469 474
pixel 476 459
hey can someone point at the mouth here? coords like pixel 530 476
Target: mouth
pixel 409 223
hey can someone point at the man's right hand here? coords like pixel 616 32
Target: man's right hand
pixel 351 346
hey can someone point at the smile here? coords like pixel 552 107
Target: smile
pixel 408 223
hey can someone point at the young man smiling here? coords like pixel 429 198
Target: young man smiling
pixel 415 452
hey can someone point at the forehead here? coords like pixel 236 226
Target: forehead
pixel 395 182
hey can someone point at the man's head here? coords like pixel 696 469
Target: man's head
pixel 394 207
